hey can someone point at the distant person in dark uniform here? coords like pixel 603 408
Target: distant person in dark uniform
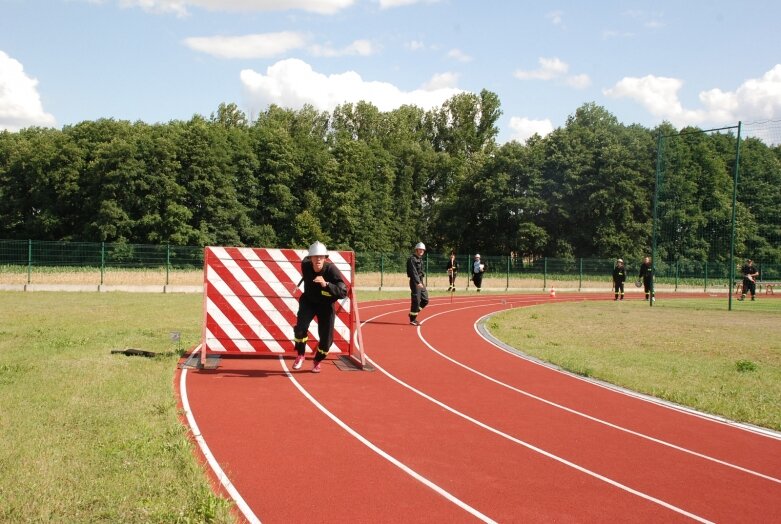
pixel 646 275
pixel 619 277
pixel 452 271
pixel 750 275
pixel 323 285
pixel 417 283
pixel 478 268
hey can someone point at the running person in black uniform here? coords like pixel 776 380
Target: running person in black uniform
pixel 417 285
pixel 323 285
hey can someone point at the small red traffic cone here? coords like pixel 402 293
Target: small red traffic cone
pixel 552 293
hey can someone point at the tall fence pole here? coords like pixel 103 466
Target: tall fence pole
pixel 732 235
pixel 382 269
pixel 659 156
pixel 580 276
pixel 544 273
pixel 102 260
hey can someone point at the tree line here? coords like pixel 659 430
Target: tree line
pixel 358 178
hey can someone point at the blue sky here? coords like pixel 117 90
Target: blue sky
pixel 705 63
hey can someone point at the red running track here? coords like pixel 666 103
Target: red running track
pixel 451 427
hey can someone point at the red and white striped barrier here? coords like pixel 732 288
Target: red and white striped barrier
pixel 251 302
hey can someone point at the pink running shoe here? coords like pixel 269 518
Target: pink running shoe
pixel 299 362
pixel 316 368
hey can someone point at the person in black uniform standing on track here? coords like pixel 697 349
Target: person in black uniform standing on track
pixel 619 277
pixel 647 275
pixel 478 268
pixel 452 271
pixel 323 285
pixel 750 275
pixel 417 285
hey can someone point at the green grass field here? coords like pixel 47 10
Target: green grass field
pixel 90 436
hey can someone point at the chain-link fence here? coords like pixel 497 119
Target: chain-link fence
pixel 30 262
pixel 716 203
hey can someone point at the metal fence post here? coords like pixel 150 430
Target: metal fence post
pixel 580 281
pixel 102 260
pixel 167 261
pixel 29 261
pixel 544 273
pixel 706 277
pixel 507 284
pixel 382 269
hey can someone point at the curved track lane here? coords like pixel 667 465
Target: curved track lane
pixel 451 427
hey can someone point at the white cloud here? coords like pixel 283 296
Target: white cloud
pixel 549 68
pixel 659 96
pixel 556 17
pixel 357 48
pixel 248 46
pixel 608 34
pixel 180 7
pixel 524 128
pixel 20 103
pixel 554 69
pixel 457 54
pixel 441 81
pixel 293 83
pixel 415 45
pixel 578 81
pixel 388 4
pixel 755 99
pixel 268 45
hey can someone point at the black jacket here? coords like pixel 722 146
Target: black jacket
pixel 619 274
pixel 646 271
pixel 335 290
pixel 452 264
pixel 415 270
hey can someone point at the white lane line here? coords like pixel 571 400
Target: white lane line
pixel 533 447
pixel 366 442
pixel 213 464
pixel 581 414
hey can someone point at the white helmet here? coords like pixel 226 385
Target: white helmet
pixel 420 245
pixel 318 249
pixel 477 255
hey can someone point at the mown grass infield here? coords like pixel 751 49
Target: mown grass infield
pixel 88 435
pixel 692 352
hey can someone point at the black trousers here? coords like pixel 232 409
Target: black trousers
pixel 619 289
pixel 478 280
pixel 647 286
pixel 451 277
pixel 326 318
pixel 419 299
pixel 749 286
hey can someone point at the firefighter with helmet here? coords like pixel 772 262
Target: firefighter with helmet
pixel 323 285
pixel 417 286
